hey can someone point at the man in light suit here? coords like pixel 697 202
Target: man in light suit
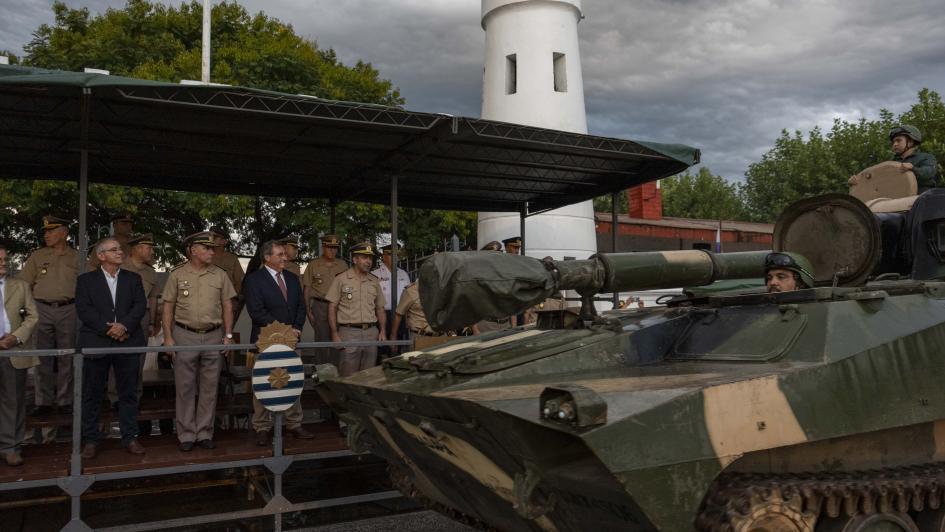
pixel 18 317
pixel 110 304
pixel 275 294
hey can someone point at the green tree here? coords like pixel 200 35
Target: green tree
pixel 156 41
pixel 703 195
pixel 799 166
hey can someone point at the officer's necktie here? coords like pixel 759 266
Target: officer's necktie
pixel 3 311
pixel 285 292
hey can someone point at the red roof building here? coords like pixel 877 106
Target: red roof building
pixel 646 229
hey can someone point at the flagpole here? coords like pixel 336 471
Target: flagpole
pixel 205 60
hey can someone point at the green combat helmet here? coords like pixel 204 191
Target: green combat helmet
pixel 905 129
pixel 794 262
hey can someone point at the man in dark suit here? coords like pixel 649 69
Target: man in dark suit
pixel 273 294
pixel 110 304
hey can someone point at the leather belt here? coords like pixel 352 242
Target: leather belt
pixel 322 299
pixel 56 303
pixel 198 331
pixel 421 332
pixel 359 325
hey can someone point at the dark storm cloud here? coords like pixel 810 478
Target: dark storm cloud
pixel 722 75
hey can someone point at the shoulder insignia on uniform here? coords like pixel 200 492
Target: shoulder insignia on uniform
pixel 179 265
pixel 339 273
pixel 374 276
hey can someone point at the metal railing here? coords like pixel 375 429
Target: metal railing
pixel 75 484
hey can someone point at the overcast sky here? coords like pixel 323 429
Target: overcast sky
pixel 722 75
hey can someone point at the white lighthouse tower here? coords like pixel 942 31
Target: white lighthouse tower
pixel 532 76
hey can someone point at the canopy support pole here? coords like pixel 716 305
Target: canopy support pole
pixel 82 240
pixel 614 196
pixel 393 248
pixel 521 226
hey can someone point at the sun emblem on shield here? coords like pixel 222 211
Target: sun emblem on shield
pixel 276 333
pixel 278 378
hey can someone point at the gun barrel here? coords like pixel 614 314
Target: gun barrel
pixel 457 289
pixel 621 272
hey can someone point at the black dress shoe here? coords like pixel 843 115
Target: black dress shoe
pixel 13 459
pixel 186 446
pixel 89 451
pixel 301 433
pixel 207 444
pixel 262 438
pixel 42 410
pixel 134 447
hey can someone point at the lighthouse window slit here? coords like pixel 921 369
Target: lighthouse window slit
pixel 560 64
pixel 511 74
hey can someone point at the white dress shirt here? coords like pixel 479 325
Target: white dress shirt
pixel 112 283
pixel 5 326
pixel 383 275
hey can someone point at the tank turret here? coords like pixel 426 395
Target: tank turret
pixel 811 410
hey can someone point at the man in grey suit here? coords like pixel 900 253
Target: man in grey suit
pixel 18 317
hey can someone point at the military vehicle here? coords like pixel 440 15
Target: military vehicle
pixel 821 409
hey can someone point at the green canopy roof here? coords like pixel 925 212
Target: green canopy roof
pixel 225 139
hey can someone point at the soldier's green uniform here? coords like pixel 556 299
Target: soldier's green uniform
pixel 51 275
pixel 198 298
pixel 924 165
pixel 319 273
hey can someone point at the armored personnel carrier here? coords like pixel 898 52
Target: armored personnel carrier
pixel 821 409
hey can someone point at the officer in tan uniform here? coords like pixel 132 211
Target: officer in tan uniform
pixel 198 310
pixel 552 303
pixel 513 245
pixel 18 318
pixel 356 310
pixel 291 243
pixel 319 273
pixel 139 260
pixel 409 307
pixel 122 226
pixel 230 263
pixel 51 272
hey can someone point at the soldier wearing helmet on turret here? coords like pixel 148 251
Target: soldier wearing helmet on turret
pixel 786 272
pixel 905 141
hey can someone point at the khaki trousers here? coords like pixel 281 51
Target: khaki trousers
pixel 56 330
pixel 196 376
pixel 323 355
pixel 12 406
pixel 355 359
pixel 264 419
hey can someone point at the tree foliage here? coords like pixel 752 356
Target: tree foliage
pixel 703 195
pixel 152 40
pixel 799 166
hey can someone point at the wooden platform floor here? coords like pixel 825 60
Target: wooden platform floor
pixel 52 460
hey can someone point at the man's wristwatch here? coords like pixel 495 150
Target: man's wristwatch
pixel 228 336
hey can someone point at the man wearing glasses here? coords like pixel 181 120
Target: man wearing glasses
pixel 786 272
pixel 110 304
